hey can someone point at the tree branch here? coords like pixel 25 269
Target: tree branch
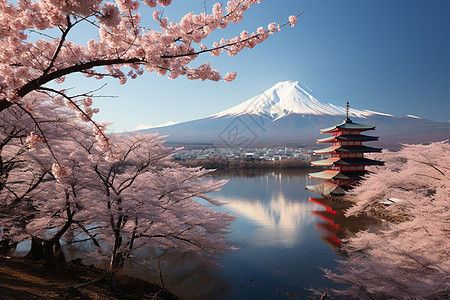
pixel 43 79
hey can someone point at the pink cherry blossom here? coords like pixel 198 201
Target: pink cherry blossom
pixel 292 20
pixel 230 76
pixel 60 172
pixel 110 15
pixel 122 41
pixel 150 3
pixel 33 140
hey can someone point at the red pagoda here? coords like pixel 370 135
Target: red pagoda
pixel 347 162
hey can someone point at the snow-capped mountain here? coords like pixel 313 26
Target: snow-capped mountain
pixel 290 97
pixel 292 113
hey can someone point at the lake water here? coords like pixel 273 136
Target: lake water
pixel 282 238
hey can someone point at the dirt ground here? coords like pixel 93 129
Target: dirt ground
pixel 20 279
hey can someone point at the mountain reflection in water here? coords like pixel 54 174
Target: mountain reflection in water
pixel 282 238
pixel 279 247
pixel 279 220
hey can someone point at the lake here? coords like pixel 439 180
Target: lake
pixel 282 240
pixel 283 235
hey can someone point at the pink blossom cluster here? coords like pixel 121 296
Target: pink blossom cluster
pixel 153 3
pixel 33 140
pixel 27 64
pixel 60 172
pixel 292 20
pixel 230 76
pixel 103 143
pixel 87 112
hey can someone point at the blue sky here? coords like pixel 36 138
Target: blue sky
pixel 384 55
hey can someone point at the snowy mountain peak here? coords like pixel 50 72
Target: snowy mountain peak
pixel 290 97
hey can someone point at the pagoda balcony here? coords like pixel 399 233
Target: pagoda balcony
pixel 345 138
pixel 347 149
pixel 347 143
pixel 348 155
pixel 339 161
pixel 348 168
pixel 345 132
pixel 338 175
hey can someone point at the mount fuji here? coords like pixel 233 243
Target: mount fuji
pixel 290 113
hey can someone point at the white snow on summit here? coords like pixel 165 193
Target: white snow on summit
pixel 413 116
pixel 289 97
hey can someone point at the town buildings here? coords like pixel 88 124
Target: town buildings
pixel 265 154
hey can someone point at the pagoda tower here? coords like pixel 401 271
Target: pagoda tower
pixel 347 162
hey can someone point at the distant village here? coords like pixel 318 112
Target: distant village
pixel 261 154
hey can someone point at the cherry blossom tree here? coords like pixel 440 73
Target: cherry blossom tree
pixel 37 50
pixel 33 199
pixel 64 184
pixel 410 258
pixel 145 199
pixel 11 130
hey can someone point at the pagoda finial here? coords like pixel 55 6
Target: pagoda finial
pixel 347 108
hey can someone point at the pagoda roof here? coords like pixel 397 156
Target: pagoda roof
pixel 356 137
pixel 338 161
pixel 326 189
pixel 339 148
pixel 336 174
pixel 349 125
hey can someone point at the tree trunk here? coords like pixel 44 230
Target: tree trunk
pixel 112 281
pixel 115 264
pixel 48 251
pixel 50 259
pixel 4 250
pixel 7 248
pixel 116 255
pixel 36 251
pixel 59 254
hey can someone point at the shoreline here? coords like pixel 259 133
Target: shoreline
pixel 26 279
pixel 225 164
